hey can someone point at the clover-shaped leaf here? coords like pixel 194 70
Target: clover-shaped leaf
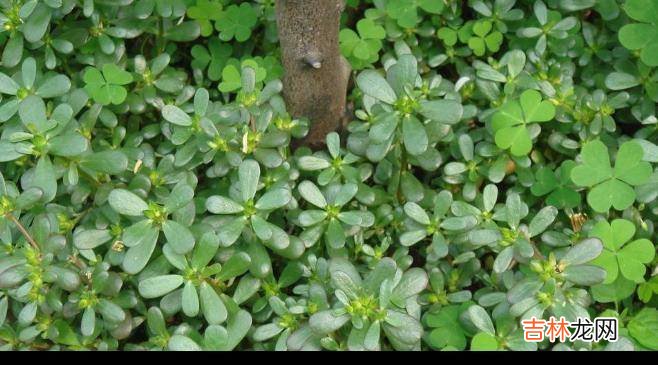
pixel 236 22
pixel 643 327
pixel 204 12
pixel 363 48
pixel 231 79
pixel 642 36
pixel 511 122
pixel 106 87
pixel 620 255
pixel 611 187
pixel 215 57
pixel 446 329
pixel 484 39
pixel 406 11
pixel 447 35
pixel 557 185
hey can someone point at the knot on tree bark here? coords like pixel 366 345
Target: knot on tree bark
pixel 313 59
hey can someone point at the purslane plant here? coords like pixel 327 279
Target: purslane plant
pixel 331 218
pixel 141 237
pixel 248 212
pixel 371 305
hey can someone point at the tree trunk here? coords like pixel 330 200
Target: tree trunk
pixel 316 75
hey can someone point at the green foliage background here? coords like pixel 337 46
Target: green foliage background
pixel 500 164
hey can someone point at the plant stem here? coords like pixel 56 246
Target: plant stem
pixel 403 167
pixel 24 231
pixel 158 40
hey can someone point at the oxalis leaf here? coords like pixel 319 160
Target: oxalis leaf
pixel 619 255
pixel 511 122
pixel 611 187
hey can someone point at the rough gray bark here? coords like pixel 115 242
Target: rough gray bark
pixel 316 75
